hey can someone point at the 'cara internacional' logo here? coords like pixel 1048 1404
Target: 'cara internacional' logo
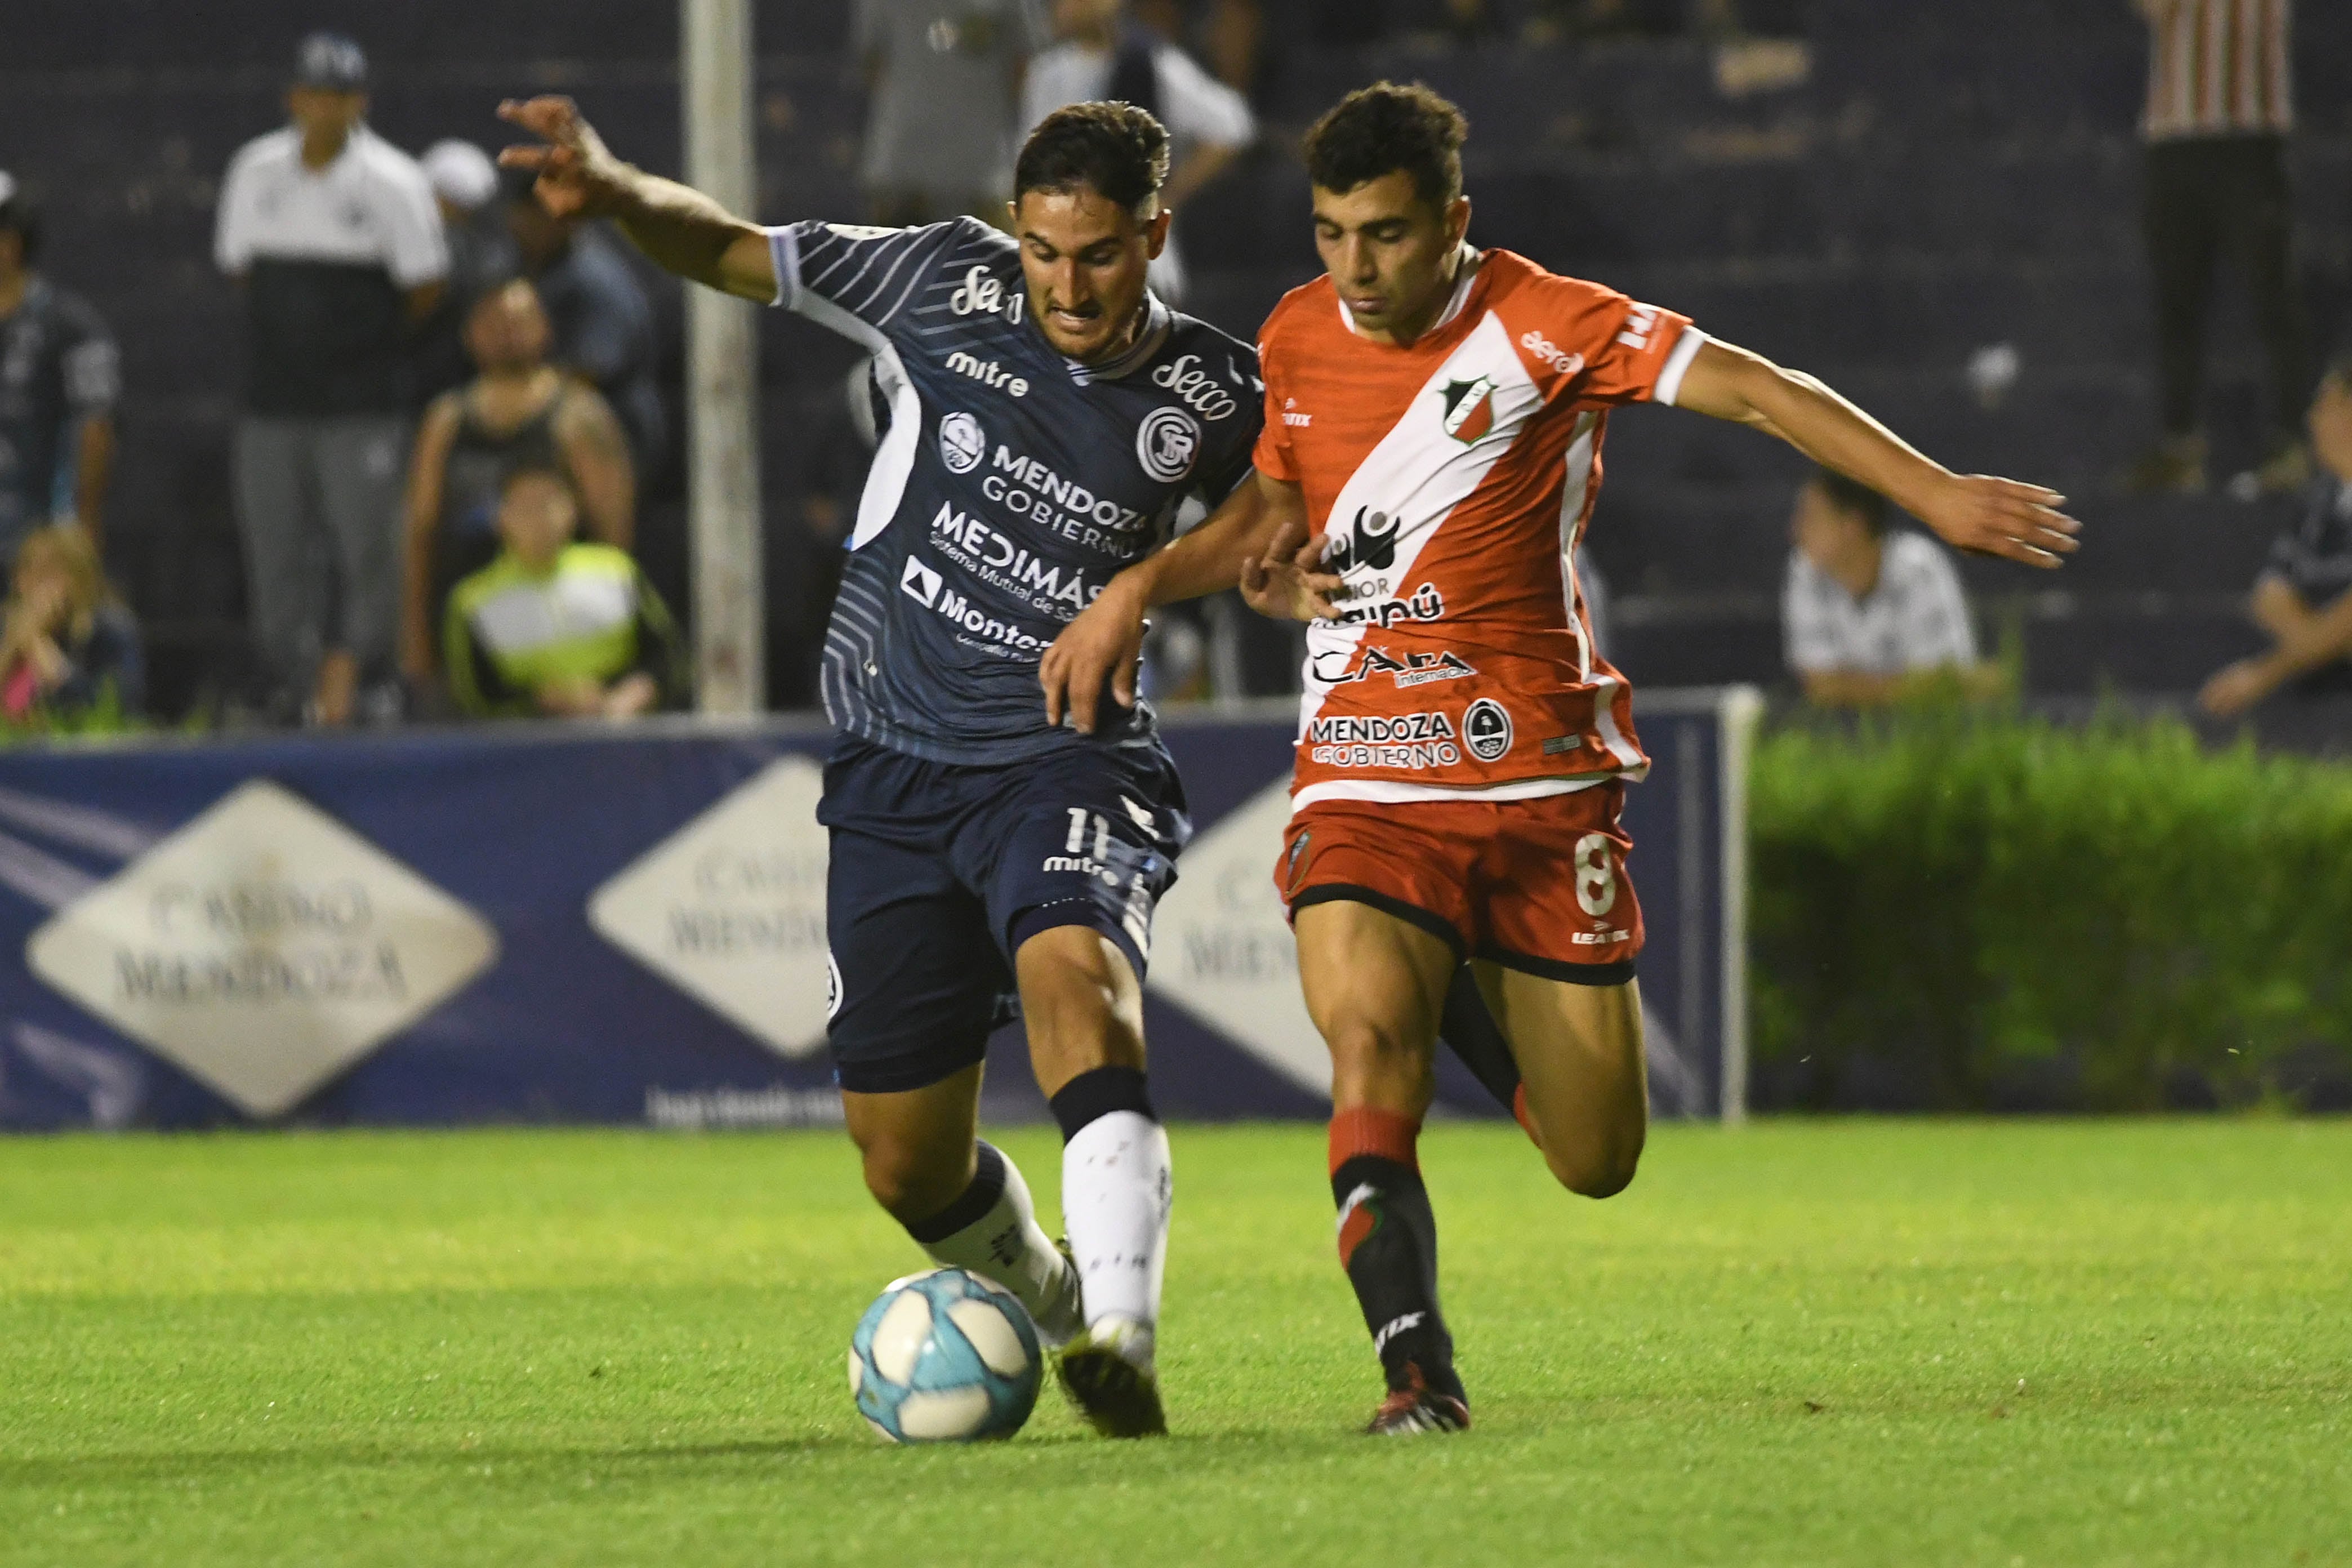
pixel 1166 442
pixel 961 443
pixel 263 949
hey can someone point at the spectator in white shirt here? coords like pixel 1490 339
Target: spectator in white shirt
pixel 1209 125
pixel 334 235
pixel 1871 616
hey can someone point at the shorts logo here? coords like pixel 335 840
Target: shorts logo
pixel 919 582
pixel 961 444
pixel 832 987
pixel 1469 408
pixel 1166 443
pixel 1486 729
pixel 1296 867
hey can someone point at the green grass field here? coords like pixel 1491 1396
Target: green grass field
pixel 1800 1344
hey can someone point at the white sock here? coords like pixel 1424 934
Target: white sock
pixel 1116 1185
pixel 1005 1244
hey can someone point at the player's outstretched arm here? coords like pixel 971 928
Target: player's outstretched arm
pixel 1970 512
pixel 680 229
pixel 1261 518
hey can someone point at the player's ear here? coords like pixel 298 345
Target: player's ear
pixel 1457 221
pixel 1155 233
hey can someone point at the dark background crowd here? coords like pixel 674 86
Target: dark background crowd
pixel 307 416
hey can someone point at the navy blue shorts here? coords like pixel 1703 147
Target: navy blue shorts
pixel 940 872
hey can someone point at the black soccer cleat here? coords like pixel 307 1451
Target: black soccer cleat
pixel 1416 1408
pixel 1118 1397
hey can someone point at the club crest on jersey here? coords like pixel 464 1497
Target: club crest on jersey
pixel 1486 729
pixel 1469 408
pixel 1166 442
pixel 961 443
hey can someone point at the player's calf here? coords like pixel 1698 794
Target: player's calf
pixel 1387 1246
pixel 962 1201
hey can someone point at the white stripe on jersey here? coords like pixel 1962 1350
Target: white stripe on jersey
pixel 1418 474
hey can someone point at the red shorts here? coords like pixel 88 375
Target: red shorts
pixel 1534 885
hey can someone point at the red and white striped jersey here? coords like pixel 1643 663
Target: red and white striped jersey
pixel 1452 478
pixel 2219 68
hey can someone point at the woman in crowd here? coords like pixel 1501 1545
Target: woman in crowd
pixel 65 640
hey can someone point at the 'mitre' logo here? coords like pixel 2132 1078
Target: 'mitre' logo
pixel 1469 408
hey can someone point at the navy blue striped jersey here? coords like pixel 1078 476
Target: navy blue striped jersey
pixel 1013 485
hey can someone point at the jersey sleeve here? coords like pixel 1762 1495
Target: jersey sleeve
pixel 855 279
pixel 415 249
pixel 1199 107
pixel 232 225
pixel 93 366
pixel 1617 350
pixel 1936 629
pixel 1808 623
pixel 1273 457
pixel 1235 453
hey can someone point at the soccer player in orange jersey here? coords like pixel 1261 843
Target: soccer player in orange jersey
pixel 1429 457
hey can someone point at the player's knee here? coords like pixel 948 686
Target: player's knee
pixel 910 1185
pixel 1598 1171
pixel 1373 1063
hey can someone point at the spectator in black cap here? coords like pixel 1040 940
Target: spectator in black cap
pixel 59 378
pixel 335 236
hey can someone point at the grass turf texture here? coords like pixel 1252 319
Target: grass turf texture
pixel 1800 1344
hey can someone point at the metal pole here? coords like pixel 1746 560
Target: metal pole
pixel 722 371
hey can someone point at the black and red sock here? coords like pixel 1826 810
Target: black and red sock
pixel 1388 1245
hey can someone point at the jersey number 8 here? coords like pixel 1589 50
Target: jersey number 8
pixel 1596 875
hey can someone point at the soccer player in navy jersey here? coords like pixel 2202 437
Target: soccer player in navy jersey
pixel 1048 416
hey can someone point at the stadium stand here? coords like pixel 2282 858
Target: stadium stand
pixel 1842 221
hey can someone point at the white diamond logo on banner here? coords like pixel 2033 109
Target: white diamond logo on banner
pixel 1221 950
pixel 731 909
pixel 263 948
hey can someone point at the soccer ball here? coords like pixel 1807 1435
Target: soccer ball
pixel 944 1357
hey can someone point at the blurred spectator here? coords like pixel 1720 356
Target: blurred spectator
pixel 1208 122
pixel 465 188
pixel 1871 616
pixel 59 377
pixel 1229 34
pixel 2220 108
pixel 2303 597
pixel 557 627
pixel 520 412
pixel 66 641
pixel 603 325
pixel 333 232
pixel 945 81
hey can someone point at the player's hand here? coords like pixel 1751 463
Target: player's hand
pixel 2236 688
pixel 1104 643
pixel 1987 516
pixel 578 175
pixel 1287 584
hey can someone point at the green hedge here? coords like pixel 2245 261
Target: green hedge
pixel 1972 899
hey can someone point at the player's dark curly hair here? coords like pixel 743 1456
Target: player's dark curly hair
pixel 1854 498
pixel 1115 150
pixel 1378 129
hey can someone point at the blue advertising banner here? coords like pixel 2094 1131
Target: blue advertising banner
pixel 573 924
